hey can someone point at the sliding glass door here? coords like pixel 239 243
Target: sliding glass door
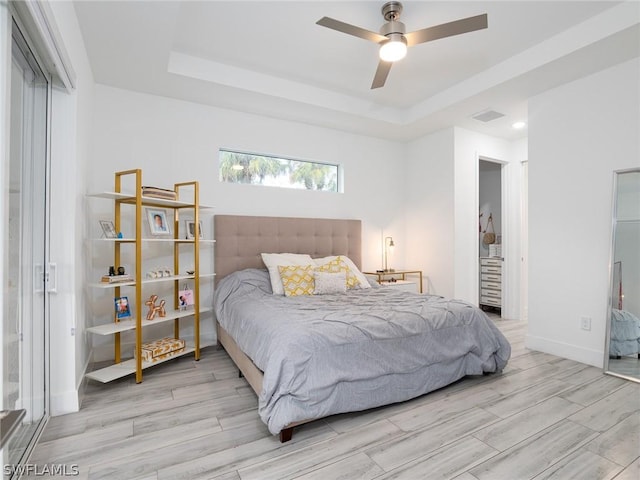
pixel 26 248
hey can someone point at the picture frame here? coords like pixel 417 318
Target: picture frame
pixel 158 223
pixel 122 307
pixel 108 229
pixel 190 228
pixel 185 299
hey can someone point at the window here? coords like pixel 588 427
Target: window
pixel 237 167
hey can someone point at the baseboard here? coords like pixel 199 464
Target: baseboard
pixel 64 402
pixel 71 400
pixel 82 381
pixel 594 358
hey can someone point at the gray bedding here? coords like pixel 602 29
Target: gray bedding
pixel 625 333
pixel 328 354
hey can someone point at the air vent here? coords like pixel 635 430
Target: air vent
pixel 487 115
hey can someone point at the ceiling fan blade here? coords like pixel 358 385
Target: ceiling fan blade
pixel 456 27
pixel 381 74
pixel 351 29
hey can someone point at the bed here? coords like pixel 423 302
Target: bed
pixel 311 356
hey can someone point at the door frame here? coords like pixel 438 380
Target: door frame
pixel 14 22
pixel 510 230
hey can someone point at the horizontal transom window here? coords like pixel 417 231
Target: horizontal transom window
pixel 267 170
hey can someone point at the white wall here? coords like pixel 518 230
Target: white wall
pixel 174 141
pixel 71 125
pixel 469 147
pixel 442 210
pixel 579 134
pixel 429 210
pixel 519 215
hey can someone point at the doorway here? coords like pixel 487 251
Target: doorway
pixel 25 305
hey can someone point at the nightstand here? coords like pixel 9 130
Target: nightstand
pixel 399 275
pixel 407 285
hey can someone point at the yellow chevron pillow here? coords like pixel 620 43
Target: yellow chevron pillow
pixel 297 280
pixel 338 265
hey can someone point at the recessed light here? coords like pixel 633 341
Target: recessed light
pixel 519 125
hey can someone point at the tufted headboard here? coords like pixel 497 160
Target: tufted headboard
pixel 241 239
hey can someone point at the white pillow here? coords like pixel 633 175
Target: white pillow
pixel 364 283
pixel 328 283
pixel 273 260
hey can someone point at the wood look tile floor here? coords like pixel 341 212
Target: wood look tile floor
pixel 543 418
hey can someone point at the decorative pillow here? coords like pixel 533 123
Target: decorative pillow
pixel 328 283
pixel 273 260
pixel 355 278
pixel 297 280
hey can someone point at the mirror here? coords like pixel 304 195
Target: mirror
pixel 622 348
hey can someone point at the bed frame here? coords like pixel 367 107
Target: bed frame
pixel 241 239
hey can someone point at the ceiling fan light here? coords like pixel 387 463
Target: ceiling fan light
pixel 393 50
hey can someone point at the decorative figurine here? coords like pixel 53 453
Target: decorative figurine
pixel 112 271
pixel 153 308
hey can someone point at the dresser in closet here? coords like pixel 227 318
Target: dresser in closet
pixel 491 282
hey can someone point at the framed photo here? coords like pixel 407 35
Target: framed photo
pixel 185 299
pixel 191 229
pixel 108 229
pixel 122 307
pixel 158 223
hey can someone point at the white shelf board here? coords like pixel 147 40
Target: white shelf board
pixel 112 285
pixel 130 324
pixel 114 240
pixel 164 279
pixel 147 239
pixel 144 281
pixel 147 200
pixel 128 367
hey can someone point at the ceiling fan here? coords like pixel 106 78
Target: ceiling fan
pixel 394 41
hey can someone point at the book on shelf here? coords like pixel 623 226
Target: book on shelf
pixel 157 192
pixel 116 278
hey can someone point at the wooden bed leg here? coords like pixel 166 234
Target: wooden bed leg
pixel 286 434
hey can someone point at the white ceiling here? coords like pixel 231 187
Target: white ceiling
pixel 270 58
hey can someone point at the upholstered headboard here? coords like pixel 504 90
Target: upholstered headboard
pixel 241 239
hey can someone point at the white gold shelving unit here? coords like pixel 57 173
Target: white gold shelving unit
pixel 123 367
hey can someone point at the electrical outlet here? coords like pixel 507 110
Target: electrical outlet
pixel 585 323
